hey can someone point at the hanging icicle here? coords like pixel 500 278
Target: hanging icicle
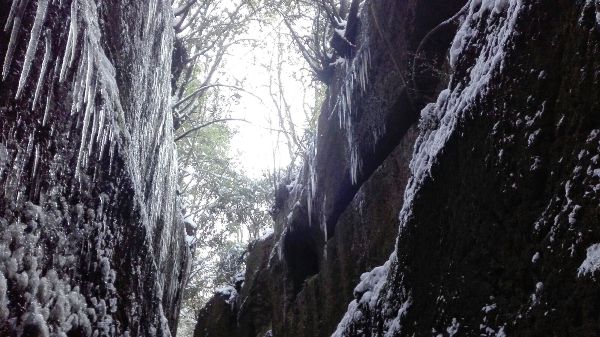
pixel 40 16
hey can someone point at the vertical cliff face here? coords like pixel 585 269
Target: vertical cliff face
pixel 493 214
pixel 91 242
pixel 338 219
pixel 498 232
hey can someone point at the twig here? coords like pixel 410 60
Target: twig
pixel 199 127
pixel 429 35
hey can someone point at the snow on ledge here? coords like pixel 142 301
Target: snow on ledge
pixel 592 261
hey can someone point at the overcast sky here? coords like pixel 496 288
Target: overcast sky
pixel 254 143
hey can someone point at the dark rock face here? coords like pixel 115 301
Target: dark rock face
pixel 498 236
pixel 91 243
pixel 364 237
pixel 218 317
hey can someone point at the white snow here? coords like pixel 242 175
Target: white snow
pixel 371 283
pixel 36 322
pixel 3 298
pixel 591 5
pixel 532 137
pixel 229 293
pixel 592 261
pixel 489 308
pixel 539 287
pixel 573 214
pixel 453 328
pixel 394 326
pixel 266 234
pixel 190 240
pixel 352 314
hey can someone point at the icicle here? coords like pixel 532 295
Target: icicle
pixel 71 43
pixel 63 68
pixel 84 129
pixel 11 14
pixel 78 87
pixel 40 16
pixel 91 102
pixel 88 72
pixel 93 134
pixel 355 79
pixel 14 35
pixel 40 82
pixel 35 159
pixel 48 101
pixel 50 95
pixel 151 14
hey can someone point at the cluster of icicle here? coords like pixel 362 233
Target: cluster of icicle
pixel 352 84
pixel 137 122
pixel 94 73
pixel 95 94
pixel 375 300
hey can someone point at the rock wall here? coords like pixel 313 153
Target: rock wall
pixel 91 243
pixel 339 217
pixel 497 203
pixel 498 231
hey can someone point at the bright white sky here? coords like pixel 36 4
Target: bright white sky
pixel 259 149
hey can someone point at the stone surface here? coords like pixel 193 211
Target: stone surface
pixel 504 198
pixel 497 223
pixel 337 220
pixel 91 243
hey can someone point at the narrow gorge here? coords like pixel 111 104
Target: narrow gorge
pixel 452 187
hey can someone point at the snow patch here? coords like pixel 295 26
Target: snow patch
pixel 370 284
pixel 592 261
pixel 453 328
pixel 535 257
pixel 228 293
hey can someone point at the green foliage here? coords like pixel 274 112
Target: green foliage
pixel 216 193
pixel 228 208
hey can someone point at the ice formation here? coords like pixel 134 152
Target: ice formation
pixel 353 84
pixel 98 144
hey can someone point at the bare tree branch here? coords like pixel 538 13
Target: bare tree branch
pixel 200 127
